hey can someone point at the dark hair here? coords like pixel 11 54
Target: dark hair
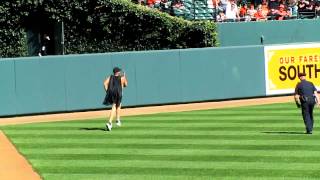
pixel 116 69
pixel 301 74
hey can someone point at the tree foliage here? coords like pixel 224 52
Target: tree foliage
pixel 93 26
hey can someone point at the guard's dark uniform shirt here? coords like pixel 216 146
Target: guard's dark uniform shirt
pixel 305 90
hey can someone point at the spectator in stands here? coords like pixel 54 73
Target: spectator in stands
pixel 250 12
pixel 243 11
pixel 317 9
pixel 265 8
pixel 302 4
pixel 273 14
pixel 213 3
pixel 220 7
pixel 177 4
pixel 293 7
pixel 284 2
pixel 151 3
pixel 157 4
pixel 223 5
pixel 221 17
pixel 283 13
pixel 274 4
pixel 258 16
pixel 178 7
pixel 311 8
pixel 232 13
pixel 306 9
pixel 165 6
pixel 302 8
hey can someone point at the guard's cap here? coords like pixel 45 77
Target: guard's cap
pixel 301 74
pixel 116 69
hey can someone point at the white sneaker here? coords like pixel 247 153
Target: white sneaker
pixel 109 126
pixel 118 122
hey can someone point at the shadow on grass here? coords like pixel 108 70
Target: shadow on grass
pixel 283 132
pixel 93 129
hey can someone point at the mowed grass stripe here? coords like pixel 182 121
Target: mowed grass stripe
pixel 178 122
pixel 204 125
pixel 261 136
pixel 44 142
pixel 120 134
pixel 52 158
pixel 161 130
pixel 189 116
pixel 169 122
pixel 157 177
pixel 48 146
pixel 181 164
pixel 178 171
pixel 227 116
pixel 173 152
pixel 242 143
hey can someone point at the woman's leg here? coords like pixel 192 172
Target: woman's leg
pixel 118 110
pixel 112 112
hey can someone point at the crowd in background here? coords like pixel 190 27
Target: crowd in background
pixel 163 5
pixel 231 10
pixel 242 10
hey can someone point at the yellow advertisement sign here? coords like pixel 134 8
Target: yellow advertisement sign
pixel 284 63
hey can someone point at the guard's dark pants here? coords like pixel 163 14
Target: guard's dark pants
pixel 307 114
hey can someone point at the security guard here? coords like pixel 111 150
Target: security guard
pixel 306 97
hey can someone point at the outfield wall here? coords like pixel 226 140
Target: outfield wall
pixel 272 32
pixel 75 82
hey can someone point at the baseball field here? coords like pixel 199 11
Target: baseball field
pixel 251 142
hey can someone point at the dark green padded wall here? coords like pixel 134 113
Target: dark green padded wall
pixel 274 32
pixel 7 87
pixel 222 73
pixel 84 80
pixel 75 82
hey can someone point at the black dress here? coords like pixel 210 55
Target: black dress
pixel 114 91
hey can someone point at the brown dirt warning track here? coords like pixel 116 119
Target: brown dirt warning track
pixel 13 166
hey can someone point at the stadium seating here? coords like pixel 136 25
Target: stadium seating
pixel 205 10
pixel 196 10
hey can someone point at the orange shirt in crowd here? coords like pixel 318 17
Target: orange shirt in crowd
pixel 259 16
pixel 243 11
pixel 151 2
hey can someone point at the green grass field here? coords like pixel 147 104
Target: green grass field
pixel 255 142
